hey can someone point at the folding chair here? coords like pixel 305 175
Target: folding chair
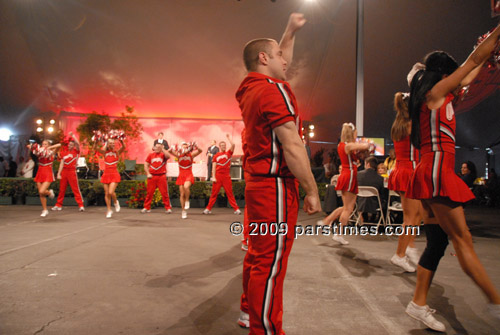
pixel 81 166
pixel 353 218
pixel 368 192
pixel 396 207
pixel 129 168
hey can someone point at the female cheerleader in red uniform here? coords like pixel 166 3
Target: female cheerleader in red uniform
pixel 110 178
pixel 434 181
pixel 348 182
pixel 44 175
pixel 406 161
pixel 185 157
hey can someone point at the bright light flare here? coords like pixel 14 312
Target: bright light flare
pixel 39 121
pixel 5 134
pixel 39 129
pixel 50 129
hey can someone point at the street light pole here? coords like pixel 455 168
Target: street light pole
pixel 359 69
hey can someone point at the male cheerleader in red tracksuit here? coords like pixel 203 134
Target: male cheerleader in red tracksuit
pixel 156 167
pixel 221 177
pixel 276 157
pixel 67 173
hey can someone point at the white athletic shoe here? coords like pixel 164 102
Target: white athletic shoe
pixel 44 213
pixel 109 215
pixel 402 262
pixel 340 239
pixel 244 320
pixel 413 255
pixel 56 208
pixel 186 205
pixel 424 314
pixel 51 194
pixel 237 212
pixel 144 210
pixel 168 211
pixel 206 211
pixel 184 215
pixel 81 209
pixel 494 310
pixel 117 206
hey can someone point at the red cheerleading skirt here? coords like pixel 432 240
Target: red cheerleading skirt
pixel 184 176
pixel 44 174
pixel 348 181
pixel 435 177
pixel 110 176
pixel 400 176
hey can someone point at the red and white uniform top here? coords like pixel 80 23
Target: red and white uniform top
pixel 111 160
pixel 437 128
pixel 185 161
pixel 265 104
pixel 45 156
pixel 222 161
pixel 406 153
pixel 348 162
pixel 69 158
pixel 157 163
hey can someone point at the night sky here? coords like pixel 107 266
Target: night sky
pixel 181 58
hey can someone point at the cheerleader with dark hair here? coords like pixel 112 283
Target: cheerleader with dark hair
pixel 434 181
pixel 45 175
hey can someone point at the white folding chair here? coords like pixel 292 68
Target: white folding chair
pixel 368 192
pixel 81 165
pixel 354 217
pixel 396 207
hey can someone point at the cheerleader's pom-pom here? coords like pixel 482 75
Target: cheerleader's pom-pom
pixel 494 60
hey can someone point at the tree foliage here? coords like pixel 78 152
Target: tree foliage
pixel 127 121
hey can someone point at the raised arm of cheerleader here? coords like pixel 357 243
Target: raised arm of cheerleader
pixel 230 142
pixel 453 81
pixel 55 146
pixel 472 75
pixel 295 22
pixel 77 144
pixel 99 150
pixel 354 146
pixel 172 152
pixel 196 153
pixel 165 152
pixel 122 148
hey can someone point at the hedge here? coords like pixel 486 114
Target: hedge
pixel 92 189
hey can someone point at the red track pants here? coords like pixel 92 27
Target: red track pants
pixel 269 201
pixel 157 181
pixel 69 176
pixel 222 181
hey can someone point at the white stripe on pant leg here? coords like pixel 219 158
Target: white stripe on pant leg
pixel 274 268
pixel 78 185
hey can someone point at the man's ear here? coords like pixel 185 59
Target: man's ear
pixel 263 58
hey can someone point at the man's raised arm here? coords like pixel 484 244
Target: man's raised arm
pixel 295 22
